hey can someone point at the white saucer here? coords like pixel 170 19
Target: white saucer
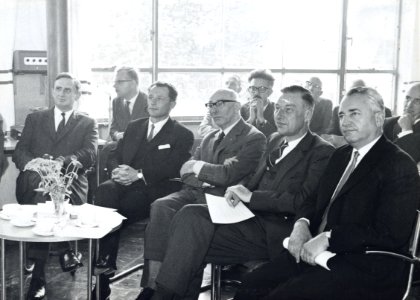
pixel 4 216
pixel 79 223
pixel 42 233
pixel 22 222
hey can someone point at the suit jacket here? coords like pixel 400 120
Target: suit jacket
pixel 296 178
pixel 267 128
pixel 79 138
pixel 321 117
pixel 375 209
pixel 161 158
pixel 244 142
pixel 410 143
pixel 120 116
pixel 3 160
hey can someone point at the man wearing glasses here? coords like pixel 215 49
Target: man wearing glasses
pixel 259 111
pixel 323 107
pixel 405 130
pixel 225 157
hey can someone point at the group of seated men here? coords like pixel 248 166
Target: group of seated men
pixel 361 196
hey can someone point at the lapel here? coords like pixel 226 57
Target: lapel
pixel 269 110
pixel 395 131
pixel 140 107
pixel 71 122
pixel 162 134
pixel 49 123
pixel 138 140
pixel 416 127
pixel 229 139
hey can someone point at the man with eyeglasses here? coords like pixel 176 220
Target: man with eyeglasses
pixel 366 200
pixel 61 133
pixel 225 157
pixel 144 166
pixel 405 130
pixel 259 110
pixel 323 107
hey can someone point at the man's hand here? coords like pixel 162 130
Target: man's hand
pixel 229 161
pixel 124 175
pixel 406 122
pixel 313 247
pixel 299 236
pixel 237 193
pixel 187 167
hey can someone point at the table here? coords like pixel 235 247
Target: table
pixel 25 234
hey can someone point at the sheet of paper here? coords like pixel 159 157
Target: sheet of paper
pixel 320 260
pixel 222 213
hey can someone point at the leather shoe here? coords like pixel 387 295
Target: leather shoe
pixel 70 260
pixel 36 289
pixel 103 264
pixel 146 294
pixel 105 290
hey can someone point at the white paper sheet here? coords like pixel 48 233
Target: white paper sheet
pixel 321 258
pixel 222 213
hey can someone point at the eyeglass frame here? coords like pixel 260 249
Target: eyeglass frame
pixel 122 81
pixel 309 83
pixel 218 103
pixel 259 89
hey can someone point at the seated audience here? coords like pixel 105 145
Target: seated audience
pixel 225 157
pixel 366 199
pixel 405 130
pixel 323 107
pixel 147 159
pixel 62 133
pixel 233 83
pixel 286 175
pixel 259 110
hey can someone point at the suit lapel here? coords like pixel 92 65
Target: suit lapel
pixel 139 140
pixel 71 122
pixel 163 133
pixel 139 108
pixel 229 139
pixel 49 123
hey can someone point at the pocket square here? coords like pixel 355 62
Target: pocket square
pixel 166 146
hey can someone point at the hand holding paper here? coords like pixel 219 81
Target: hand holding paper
pixel 222 213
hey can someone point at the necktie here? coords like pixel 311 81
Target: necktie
pixel 219 140
pixel 273 157
pixel 62 123
pixel 344 178
pixel 150 136
pixel 127 107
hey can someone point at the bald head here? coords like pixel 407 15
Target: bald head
pixel 224 107
pixel 314 85
pixel 412 102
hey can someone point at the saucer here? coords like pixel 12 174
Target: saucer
pixel 22 222
pixel 42 233
pixel 4 216
pixel 79 223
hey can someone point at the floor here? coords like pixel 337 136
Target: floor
pixel 63 286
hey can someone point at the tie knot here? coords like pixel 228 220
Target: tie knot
pixel 356 155
pixel 63 114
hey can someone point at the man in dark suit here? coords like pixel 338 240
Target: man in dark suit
pixel 404 131
pixel 278 187
pixel 323 107
pixel 62 133
pixel 224 157
pixel 143 166
pixel 367 199
pixel 259 111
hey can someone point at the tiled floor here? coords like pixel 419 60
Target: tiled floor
pixel 63 286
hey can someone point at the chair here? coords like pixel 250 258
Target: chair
pixel 412 258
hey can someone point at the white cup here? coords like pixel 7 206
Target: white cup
pixel 45 225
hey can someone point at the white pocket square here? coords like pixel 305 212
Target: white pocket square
pixel 166 146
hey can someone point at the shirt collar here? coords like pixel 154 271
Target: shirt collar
pixel 57 113
pixel 228 129
pixel 364 150
pixel 133 100
pixel 157 126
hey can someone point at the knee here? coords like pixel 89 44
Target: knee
pixel 192 213
pixel 106 193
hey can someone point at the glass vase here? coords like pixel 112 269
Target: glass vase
pixel 59 206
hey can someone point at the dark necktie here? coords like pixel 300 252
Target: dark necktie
pixel 127 107
pixel 275 155
pixel 350 168
pixel 62 123
pixel 150 136
pixel 219 140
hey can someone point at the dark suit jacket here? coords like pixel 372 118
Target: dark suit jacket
pixel 321 117
pixel 410 143
pixel 79 138
pixel 297 178
pixel 121 118
pixel 375 209
pixel 3 160
pixel 161 158
pixel 267 128
pixel 244 142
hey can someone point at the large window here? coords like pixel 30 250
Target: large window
pixel 200 42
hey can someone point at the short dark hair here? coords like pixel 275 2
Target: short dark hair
pixel 304 93
pixel 173 93
pixel 263 74
pixel 131 72
pixel 76 83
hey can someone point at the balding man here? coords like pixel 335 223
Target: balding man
pixel 366 199
pixel 224 158
pixel 323 107
pixel 405 130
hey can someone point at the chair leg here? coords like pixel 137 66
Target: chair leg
pixel 216 277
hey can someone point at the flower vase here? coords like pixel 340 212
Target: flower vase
pixel 59 206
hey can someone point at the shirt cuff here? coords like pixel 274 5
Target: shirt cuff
pixel 198 166
pixel 304 220
pixel 403 133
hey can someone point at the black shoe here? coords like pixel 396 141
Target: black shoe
pixel 36 289
pixel 103 264
pixel 105 290
pixel 146 294
pixel 70 260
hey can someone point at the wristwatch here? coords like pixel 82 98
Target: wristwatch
pixel 139 174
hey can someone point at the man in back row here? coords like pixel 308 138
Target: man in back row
pixel 224 157
pixel 286 175
pixel 366 200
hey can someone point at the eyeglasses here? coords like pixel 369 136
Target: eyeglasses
pixel 308 84
pixel 218 103
pixel 259 89
pixel 122 81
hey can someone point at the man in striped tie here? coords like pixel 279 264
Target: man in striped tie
pixel 367 199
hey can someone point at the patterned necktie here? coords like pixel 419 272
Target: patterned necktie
pixel 219 140
pixel 273 157
pixel 150 136
pixel 350 168
pixel 61 124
